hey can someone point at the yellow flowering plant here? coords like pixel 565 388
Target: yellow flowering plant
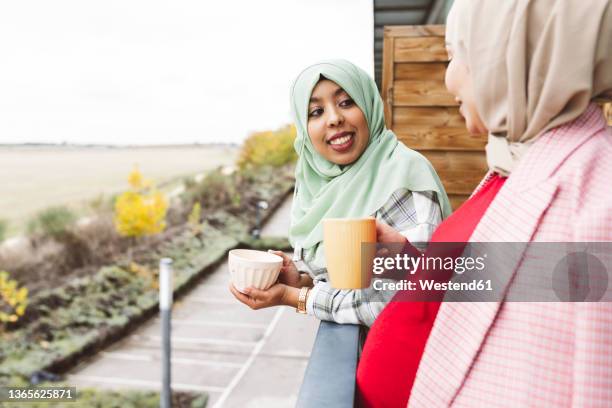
pixel 270 148
pixel 140 210
pixel 13 299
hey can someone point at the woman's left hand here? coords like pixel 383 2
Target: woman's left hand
pixel 276 295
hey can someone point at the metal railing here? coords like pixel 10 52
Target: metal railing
pixel 329 380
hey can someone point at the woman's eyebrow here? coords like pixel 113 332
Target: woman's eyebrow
pixel 337 92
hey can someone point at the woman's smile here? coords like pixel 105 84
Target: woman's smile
pixel 342 141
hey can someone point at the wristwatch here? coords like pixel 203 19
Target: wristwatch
pixel 302 297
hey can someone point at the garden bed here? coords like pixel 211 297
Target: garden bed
pixel 75 317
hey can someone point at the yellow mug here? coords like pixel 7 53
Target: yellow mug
pixel 349 263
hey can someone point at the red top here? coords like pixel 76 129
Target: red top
pixel 396 340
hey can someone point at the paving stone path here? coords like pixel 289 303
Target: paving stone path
pixel 242 358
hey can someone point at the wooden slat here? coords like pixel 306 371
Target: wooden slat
pixel 460 182
pixel 457 199
pixel 427 116
pixel 419 49
pixel 415 31
pixel 387 79
pixel 420 71
pixel 457 161
pixel 421 93
pixel 460 172
pixel 440 138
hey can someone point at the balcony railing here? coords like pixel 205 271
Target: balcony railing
pixel 329 380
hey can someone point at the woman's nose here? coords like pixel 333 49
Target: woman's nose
pixel 335 117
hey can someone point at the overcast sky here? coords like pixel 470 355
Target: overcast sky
pixel 164 72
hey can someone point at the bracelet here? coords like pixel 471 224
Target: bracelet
pixel 302 297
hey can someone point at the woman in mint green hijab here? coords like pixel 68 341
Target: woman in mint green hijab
pixel 349 165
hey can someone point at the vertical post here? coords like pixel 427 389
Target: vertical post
pixel 257 231
pixel 165 307
pixel 261 205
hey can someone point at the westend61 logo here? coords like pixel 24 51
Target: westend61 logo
pixel 411 264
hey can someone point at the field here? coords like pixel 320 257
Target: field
pixel 33 178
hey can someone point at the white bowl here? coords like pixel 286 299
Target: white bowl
pixel 250 268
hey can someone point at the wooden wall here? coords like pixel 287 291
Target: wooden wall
pixel 423 114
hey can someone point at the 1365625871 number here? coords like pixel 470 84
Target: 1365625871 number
pixel 8 394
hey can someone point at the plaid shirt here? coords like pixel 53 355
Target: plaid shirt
pixel 415 215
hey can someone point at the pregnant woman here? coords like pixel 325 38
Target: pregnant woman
pixel 526 73
pixel 349 165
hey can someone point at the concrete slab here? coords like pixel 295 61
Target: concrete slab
pixel 236 312
pixel 283 357
pixel 229 357
pixel 184 373
pixel 294 335
pixel 212 332
pixel 203 345
pixel 271 382
pixel 220 277
pixel 278 224
pixel 209 289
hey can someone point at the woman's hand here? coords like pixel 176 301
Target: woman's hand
pixel 277 295
pixel 289 274
pixel 385 234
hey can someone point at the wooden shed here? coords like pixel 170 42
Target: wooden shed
pixel 389 13
pixel 423 114
pixel 410 63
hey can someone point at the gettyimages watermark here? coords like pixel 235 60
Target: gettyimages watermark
pixel 492 272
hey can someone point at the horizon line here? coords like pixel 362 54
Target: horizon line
pixel 71 144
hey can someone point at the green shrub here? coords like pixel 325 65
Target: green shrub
pixel 215 191
pixel 195 218
pixel 189 183
pixel 54 222
pixel 102 203
pixel 271 148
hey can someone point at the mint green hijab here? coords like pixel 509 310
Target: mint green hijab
pixel 326 190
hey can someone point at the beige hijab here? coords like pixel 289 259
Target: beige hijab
pixel 535 65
